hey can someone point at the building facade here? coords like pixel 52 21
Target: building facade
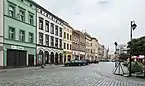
pixel 122 48
pixel 82 45
pixel 67 42
pixel 100 51
pixel 19 32
pixel 88 46
pixel 1 32
pixel 94 49
pixel 75 44
pixel 49 38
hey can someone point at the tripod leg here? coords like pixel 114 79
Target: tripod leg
pixel 122 70
pixel 115 69
pixel 119 67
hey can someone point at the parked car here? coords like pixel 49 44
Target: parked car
pixel 87 61
pixel 75 63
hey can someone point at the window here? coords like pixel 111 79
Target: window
pixel 52 28
pixel 31 37
pixel 31 19
pixel 56 30
pixel 68 46
pixel 64 45
pixel 22 15
pixel 70 38
pixel 60 43
pixel 40 23
pixel 56 42
pixel 47 26
pixel 22 35
pixel 12 11
pixel 11 33
pixel 60 32
pixel 47 40
pixel 52 41
pixel 65 35
pixel 41 38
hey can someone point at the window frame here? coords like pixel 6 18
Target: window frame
pixel 22 10
pixel 41 19
pixel 22 39
pixel 51 41
pixel 56 30
pixel 14 7
pixel 29 17
pixel 60 32
pixel 41 34
pixel 64 46
pixel 56 42
pixel 31 40
pixel 47 28
pixel 46 40
pixel 67 36
pixel 64 35
pixel 60 43
pixel 51 28
pixel 13 38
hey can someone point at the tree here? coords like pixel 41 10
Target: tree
pixel 123 56
pixel 137 46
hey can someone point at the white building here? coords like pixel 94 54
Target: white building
pixel 49 37
pixel 122 48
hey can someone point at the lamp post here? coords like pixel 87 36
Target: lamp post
pixel 116 44
pixel 133 26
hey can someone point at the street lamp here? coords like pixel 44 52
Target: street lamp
pixel 133 26
pixel 116 44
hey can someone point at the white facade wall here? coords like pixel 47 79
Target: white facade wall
pixel 48 33
pixel 43 15
pixel 1 31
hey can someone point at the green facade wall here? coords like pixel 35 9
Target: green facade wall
pixel 19 25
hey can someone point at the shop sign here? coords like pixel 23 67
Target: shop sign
pixel 17 47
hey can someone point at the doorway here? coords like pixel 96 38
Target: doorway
pixel 31 60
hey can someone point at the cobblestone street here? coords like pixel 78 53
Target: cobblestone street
pixel 61 76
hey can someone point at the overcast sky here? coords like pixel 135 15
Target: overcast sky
pixel 107 20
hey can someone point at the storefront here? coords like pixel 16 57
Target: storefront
pixel 19 56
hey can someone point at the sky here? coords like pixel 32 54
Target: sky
pixel 107 20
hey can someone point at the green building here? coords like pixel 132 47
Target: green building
pixel 19 33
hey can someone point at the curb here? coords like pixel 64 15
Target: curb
pixel 29 68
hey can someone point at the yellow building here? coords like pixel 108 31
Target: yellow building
pixel 67 42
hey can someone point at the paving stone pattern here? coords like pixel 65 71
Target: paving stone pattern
pixel 63 76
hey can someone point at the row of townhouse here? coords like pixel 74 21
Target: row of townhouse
pixel 31 35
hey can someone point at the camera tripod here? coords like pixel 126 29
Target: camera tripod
pixel 120 68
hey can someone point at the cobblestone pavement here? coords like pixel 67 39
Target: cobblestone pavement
pixel 62 76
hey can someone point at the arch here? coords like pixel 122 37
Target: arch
pixel 69 57
pixel 61 58
pixel 40 49
pixel 46 57
pixel 56 58
pixel 52 58
pixel 40 57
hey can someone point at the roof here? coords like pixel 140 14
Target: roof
pixel 87 35
pixel 39 6
pixel 94 38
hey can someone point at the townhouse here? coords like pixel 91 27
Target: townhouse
pixel 67 42
pixel 17 33
pixel 49 37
